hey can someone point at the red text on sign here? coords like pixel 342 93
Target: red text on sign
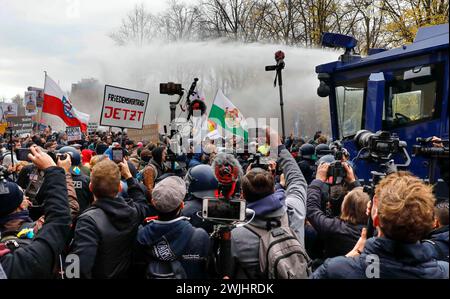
pixel 122 114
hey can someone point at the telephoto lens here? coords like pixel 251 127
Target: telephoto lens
pixel 362 138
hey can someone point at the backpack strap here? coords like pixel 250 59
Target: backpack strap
pixel 270 224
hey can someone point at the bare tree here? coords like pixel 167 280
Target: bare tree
pixel 231 18
pixel 138 27
pixel 180 22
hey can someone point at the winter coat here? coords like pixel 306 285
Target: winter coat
pixel 388 259
pixel 245 244
pixel 105 234
pixel 339 237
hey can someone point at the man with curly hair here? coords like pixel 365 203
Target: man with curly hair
pixel 403 213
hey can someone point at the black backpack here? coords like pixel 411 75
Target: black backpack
pixel 157 269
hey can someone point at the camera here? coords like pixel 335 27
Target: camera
pixel 117 155
pixel 57 156
pixel 170 88
pixel 424 149
pixel 337 172
pixel 381 145
pixel 22 154
pixel 223 209
pixel 259 161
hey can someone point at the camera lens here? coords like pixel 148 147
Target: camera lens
pixel 362 138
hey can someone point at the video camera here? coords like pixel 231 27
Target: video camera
pixel 380 145
pixel 425 149
pixel 171 89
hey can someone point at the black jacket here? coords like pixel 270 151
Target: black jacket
pixel 106 232
pixel 192 207
pixel 38 259
pixel 339 237
pixel 385 258
pixel 308 168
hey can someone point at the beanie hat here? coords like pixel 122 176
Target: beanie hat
pixel 10 198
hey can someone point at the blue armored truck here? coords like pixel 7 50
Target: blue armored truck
pixel 402 91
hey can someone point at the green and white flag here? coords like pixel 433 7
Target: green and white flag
pixel 227 116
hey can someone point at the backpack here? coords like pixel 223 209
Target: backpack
pixel 157 269
pixel 281 256
pixel 168 266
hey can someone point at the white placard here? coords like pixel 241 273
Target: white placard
pixel 123 108
pixel 30 104
pixel 74 134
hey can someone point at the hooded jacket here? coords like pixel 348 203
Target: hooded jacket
pixel 245 244
pixel 105 234
pixel 396 260
pixel 176 240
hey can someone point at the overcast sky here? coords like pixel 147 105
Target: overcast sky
pixel 52 36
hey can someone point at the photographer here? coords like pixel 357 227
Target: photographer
pixel 30 177
pixel 307 162
pixel 402 212
pixel 339 234
pixel 105 233
pixel 156 169
pixel 201 183
pixel 37 259
pixel 170 242
pixel 80 180
pixel 272 209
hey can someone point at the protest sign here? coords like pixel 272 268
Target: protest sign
pixel 29 102
pixel 8 110
pixel 39 95
pixel 92 127
pixel 123 108
pixel 74 134
pixel 20 125
pixel 148 133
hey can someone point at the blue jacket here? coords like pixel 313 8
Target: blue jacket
pixel 438 243
pixel 181 240
pixel 396 260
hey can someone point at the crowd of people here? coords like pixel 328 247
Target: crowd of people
pixel 71 205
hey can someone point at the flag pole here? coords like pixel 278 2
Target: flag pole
pixel 43 95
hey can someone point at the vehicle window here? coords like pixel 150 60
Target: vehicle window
pixel 350 100
pixel 411 96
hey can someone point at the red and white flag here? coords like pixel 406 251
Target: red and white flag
pixel 56 102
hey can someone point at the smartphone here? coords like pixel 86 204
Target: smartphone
pixel 223 209
pixel 117 155
pixel 22 154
